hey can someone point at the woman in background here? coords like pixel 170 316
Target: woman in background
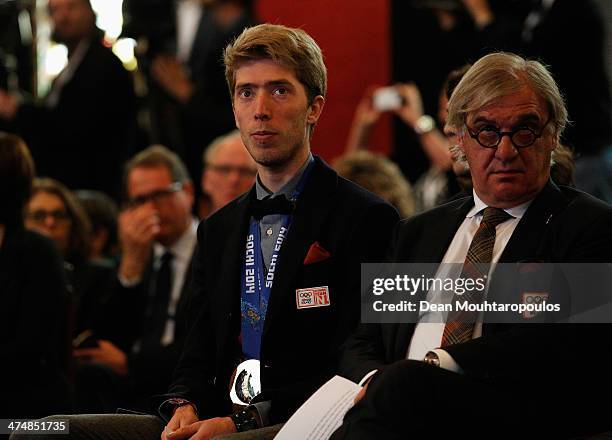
pixel 54 211
pixel 34 340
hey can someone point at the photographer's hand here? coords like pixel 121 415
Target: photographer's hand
pixel 412 109
pixel 364 120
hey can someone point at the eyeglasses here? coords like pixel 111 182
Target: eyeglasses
pixel 40 216
pixel 521 137
pixel 155 196
pixel 226 170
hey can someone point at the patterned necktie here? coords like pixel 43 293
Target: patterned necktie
pixel 460 327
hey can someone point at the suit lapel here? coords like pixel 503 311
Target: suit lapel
pixel 442 231
pixel 311 211
pixel 530 236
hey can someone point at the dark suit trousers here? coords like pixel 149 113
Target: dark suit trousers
pixel 411 399
pixel 130 427
pixel 105 427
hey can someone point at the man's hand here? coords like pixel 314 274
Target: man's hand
pixel 137 230
pixel 107 354
pixel 203 430
pixel 183 416
pixel 171 75
pixel 8 105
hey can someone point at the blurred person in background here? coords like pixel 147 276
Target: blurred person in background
pixel 151 291
pixel 54 212
pixel 429 39
pixel 570 38
pixel 102 212
pixel 229 171
pixel 380 175
pixel 34 344
pixel 438 183
pixel 81 131
pixel 187 101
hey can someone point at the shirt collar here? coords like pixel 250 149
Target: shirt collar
pixel 182 248
pixel 288 188
pixel 479 206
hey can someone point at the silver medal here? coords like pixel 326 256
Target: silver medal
pixel 247 382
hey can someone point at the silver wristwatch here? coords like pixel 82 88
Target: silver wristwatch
pixel 424 124
pixel 432 358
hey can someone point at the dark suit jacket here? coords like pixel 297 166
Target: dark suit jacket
pixel 34 339
pixel 561 225
pixel 208 114
pixel 188 128
pixel 90 283
pixel 149 369
pixel 84 140
pixel 571 40
pixel 299 347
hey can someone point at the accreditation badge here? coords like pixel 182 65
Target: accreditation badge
pixel 247 383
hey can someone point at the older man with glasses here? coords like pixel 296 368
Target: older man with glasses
pixel 229 171
pixel 157 236
pixel 445 377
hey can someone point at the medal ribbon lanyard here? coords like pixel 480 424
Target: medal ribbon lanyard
pixel 256 284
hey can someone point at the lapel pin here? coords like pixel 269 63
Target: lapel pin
pixel 312 297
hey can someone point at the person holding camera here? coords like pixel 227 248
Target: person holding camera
pixel 404 100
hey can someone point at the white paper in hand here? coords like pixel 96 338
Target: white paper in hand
pixel 322 414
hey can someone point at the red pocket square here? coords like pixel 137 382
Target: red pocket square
pixel 316 253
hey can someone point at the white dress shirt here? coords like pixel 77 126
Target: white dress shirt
pixel 430 327
pixel 188 15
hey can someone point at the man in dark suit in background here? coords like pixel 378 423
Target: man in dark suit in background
pixel 188 100
pixel 490 380
pixel 81 133
pixel 146 314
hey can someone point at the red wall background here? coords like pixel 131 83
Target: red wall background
pixel 355 38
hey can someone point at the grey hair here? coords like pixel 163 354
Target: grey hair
pixel 215 145
pixel 501 74
pixel 458 155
